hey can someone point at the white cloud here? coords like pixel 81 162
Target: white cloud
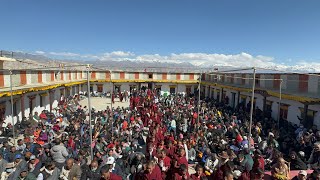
pixel 66 54
pixel 241 60
pixel 117 55
pixel 121 54
pixel 39 52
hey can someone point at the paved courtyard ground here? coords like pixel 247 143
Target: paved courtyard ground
pixel 101 103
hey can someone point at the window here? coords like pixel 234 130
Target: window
pixel 150 76
pixel 99 87
pixel 14 107
pixel 172 90
pixel 195 89
pixel 268 105
pixel 2 111
pixel 117 88
pixel 258 82
pixel 218 95
pixel 243 99
pixel 188 90
pixel 284 111
pixel 41 101
pixel 310 114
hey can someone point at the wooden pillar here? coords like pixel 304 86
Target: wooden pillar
pixel 221 95
pixel 50 98
pixel 79 92
pixel 264 103
pixel 305 117
pixel 238 99
pixel 22 105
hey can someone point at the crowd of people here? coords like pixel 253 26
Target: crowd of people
pixel 158 138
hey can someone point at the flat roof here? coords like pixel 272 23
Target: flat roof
pixel 7 59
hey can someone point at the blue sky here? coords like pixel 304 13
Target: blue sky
pixel 287 31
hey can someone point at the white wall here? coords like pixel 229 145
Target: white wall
pixel 107 87
pixel 284 81
pixel 164 86
pixel 259 101
pixel 6 79
pixel 293 109
pixel 316 120
pixel 95 87
pixel 313 84
pixel 56 98
pixel 182 88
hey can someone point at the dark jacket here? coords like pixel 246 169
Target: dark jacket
pixel 92 175
pixel 297 164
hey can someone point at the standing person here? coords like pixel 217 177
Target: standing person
pixel 126 94
pixel 112 98
pixel 120 96
pixel 59 153
pixel 173 126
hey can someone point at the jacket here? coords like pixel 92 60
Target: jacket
pixel 3 164
pixel 92 175
pixel 72 174
pixel 45 175
pixel 59 153
pixel 297 164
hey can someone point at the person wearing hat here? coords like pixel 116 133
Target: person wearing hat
pixel 111 162
pixel 19 165
pixel 34 165
pixel 302 175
